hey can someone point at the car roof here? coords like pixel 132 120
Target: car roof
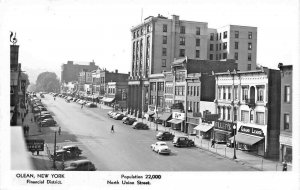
pixel 69 146
pixel 161 142
pixel 80 161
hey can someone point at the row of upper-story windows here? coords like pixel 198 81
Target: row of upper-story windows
pixel 193 106
pixel 111 90
pixel 140 32
pixel 180 90
pixel 218 36
pixel 226 113
pixel 219 46
pixel 182 29
pixel 193 91
pixel 225 93
pixel 181 41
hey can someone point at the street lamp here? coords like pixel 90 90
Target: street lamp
pixel 54 154
pixel 234 133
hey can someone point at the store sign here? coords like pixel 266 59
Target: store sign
pixel 35 144
pixel 211 117
pixel 223 125
pixel 178 115
pixel 134 83
pixel 251 131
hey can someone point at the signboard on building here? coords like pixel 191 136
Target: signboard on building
pixel 178 115
pixel 198 114
pixel 211 117
pixel 223 125
pixel 251 131
pixel 35 144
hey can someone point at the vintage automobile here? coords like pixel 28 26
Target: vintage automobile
pixel 48 122
pixel 140 125
pixel 181 141
pixel 73 150
pixel 81 165
pixel 129 121
pixel 119 116
pixel 161 148
pixel 164 136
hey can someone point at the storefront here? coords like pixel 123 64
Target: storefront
pixel 177 121
pixel 204 130
pixel 286 149
pixel 223 130
pixel 165 118
pixel 250 139
pixel 108 101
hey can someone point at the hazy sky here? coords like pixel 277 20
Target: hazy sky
pixel 51 32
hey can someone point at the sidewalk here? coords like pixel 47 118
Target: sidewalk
pixel 41 161
pixel 243 158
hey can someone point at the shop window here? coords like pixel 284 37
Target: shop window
pixel 260 118
pixel 286 121
pixel 245 116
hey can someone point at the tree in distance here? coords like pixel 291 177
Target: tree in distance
pixel 47 82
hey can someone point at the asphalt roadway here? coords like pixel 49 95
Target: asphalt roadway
pixel 126 149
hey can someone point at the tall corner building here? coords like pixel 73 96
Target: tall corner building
pixel 157 41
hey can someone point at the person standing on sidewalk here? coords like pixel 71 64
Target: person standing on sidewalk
pixel 213 143
pixel 59 130
pixel 284 166
pixel 112 129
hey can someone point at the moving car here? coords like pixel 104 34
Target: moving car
pixel 161 148
pixel 81 165
pixel 164 136
pixel 73 150
pixel 181 141
pixel 140 125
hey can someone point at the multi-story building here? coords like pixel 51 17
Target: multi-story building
pixel 106 77
pixel 70 71
pixel 286 124
pixel 85 77
pixel 158 41
pixel 117 94
pixel 249 101
pixel 234 42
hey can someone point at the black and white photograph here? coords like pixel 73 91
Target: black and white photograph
pixel 149 94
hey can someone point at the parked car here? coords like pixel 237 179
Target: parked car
pixel 73 150
pixel 181 141
pixel 48 122
pixel 164 136
pixel 81 165
pixel 161 148
pixel 129 121
pixel 74 99
pixel 44 116
pixel 118 116
pixel 140 125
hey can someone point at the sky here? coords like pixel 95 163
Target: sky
pixel 51 32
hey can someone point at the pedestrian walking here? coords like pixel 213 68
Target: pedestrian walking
pixel 112 129
pixel 59 130
pixel 213 143
pixel 284 166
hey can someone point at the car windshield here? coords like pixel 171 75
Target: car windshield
pixel 160 133
pixel 162 144
pixel 73 164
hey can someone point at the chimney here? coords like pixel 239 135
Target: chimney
pixel 116 71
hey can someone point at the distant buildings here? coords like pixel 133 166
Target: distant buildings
pixel 70 71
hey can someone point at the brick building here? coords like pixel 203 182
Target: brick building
pixel 70 71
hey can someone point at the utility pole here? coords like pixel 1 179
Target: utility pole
pixel 54 155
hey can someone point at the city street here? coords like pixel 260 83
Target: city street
pixel 127 149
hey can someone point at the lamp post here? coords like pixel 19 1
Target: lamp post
pixel 234 150
pixel 40 126
pixel 54 154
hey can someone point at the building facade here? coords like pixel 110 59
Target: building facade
pixel 286 116
pixel 70 71
pixel 249 101
pixel 116 94
pixel 234 42
pixel 158 41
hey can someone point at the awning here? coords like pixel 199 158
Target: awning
pixel 165 116
pixel 203 127
pixel 109 100
pixel 246 139
pixel 175 121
